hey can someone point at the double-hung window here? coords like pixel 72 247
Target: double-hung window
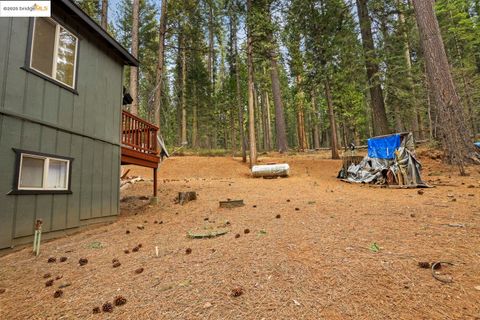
pixel 41 173
pixel 54 51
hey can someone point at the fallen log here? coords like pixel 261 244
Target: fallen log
pixel 231 204
pixel 125 184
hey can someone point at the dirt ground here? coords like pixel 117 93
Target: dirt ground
pixel 314 261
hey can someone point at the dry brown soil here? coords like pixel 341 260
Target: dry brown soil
pixel 313 262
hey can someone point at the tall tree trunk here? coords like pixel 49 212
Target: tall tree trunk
pixel 267 138
pixel 466 88
pixel 316 134
pixel 258 118
pixel 195 117
pixel 269 121
pixel 416 123
pixel 251 88
pixel 238 93
pixel 380 122
pixel 104 17
pixel 333 125
pixel 161 63
pixel 280 127
pixel 134 51
pixel 184 93
pixel 455 134
pixel 302 139
pixel 211 73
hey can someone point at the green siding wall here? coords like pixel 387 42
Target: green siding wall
pixel 93 116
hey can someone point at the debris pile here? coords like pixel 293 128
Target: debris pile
pixel 391 160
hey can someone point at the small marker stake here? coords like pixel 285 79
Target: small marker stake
pixel 37 237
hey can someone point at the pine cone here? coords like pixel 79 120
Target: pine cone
pixel 47 275
pixel 49 283
pixel 116 264
pixel 135 249
pixel 246 231
pixel 188 251
pixel 52 260
pixel 237 292
pixel 83 261
pixel 139 270
pixel 120 301
pixel 126 251
pixel 58 294
pixel 107 307
pixel 96 310
pixel 63 259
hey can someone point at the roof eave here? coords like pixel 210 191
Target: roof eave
pixel 128 59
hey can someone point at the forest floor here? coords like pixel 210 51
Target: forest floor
pixel 313 261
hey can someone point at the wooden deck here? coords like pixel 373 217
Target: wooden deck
pixel 139 144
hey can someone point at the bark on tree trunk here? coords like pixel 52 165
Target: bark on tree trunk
pixel 380 123
pixel 258 118
pixel 269 121
pixel 454 133
pixel 161 62
pixel 238 96
pixel 134 70
pixel 333 125
pixel 266 121
pixel 251 107
pixel 416 123
pixel 211 73
pixel 194 118
pixel 466 88
pixel 302 143
pixel 104 19
pixel 184 93
pixel 280 128
pixel 316 134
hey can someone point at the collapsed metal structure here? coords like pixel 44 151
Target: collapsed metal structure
pixel 391 160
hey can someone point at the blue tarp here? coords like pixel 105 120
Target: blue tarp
pixel 383 147
pixel 477 144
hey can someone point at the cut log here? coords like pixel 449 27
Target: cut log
pixel 231 204
pixel 127 183
pixel 271 170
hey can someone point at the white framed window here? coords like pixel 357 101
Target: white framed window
pixel 54 51
pixel 38 173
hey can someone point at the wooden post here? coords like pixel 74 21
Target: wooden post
pixel 155 182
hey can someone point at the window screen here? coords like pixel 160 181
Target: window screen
pixel 31 173
pixel 43 46
pixel 54 51
pixel 57 174
pixel 67 47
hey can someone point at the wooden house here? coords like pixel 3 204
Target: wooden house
pixel 63 134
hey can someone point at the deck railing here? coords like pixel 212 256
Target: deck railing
pixel 138 134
